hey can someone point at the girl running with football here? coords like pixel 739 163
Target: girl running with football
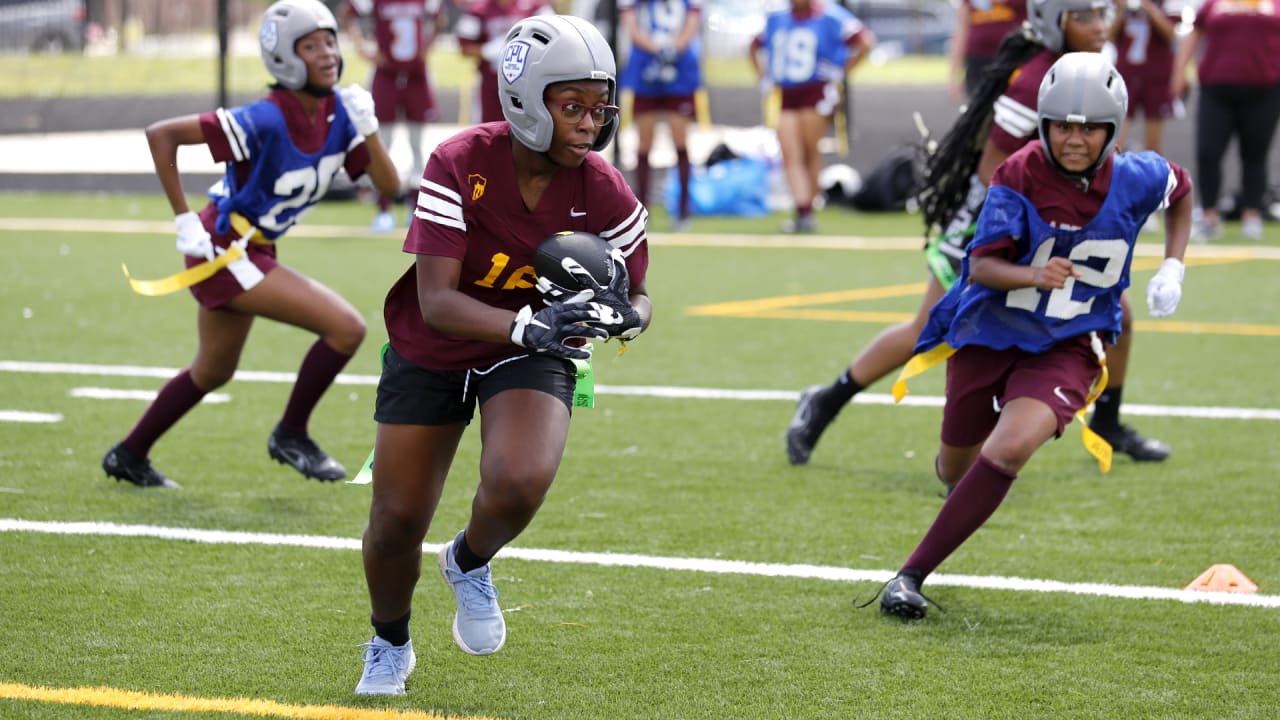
pixel 470 330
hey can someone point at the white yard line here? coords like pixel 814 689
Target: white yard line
pixel 98 393
pixel 656 391
pixel 812 242
pixel 23 416
pixel 604 559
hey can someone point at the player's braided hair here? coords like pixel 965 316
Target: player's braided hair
pixel 947 169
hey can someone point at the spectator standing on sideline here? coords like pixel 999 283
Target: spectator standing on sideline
pixel 403 31
pixel 806 50
pixel 468 328
pixel 481 31
pixel 281 154
pixel 1144 35
pixel 999 119
pixel 664 71
pixel 1239 76
pixel 1040 282
pixel 975 41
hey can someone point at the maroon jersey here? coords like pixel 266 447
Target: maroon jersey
pixel 403 29
pixel 1061 200
pixel 1140 51
pixel 470 209
pixel 1015 111
pixel 1241 42
pixel 485 20
pixel 989 22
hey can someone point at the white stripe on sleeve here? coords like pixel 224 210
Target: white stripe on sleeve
pixel 1015 118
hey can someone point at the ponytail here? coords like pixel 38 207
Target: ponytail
pixel 948 169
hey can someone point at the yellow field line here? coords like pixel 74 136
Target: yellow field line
pixel 133 700
pixel 759 307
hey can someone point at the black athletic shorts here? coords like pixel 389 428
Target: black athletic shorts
pixel 413 395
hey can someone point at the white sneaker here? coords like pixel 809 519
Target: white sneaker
pixel 1204 230
pixel 478 626
pixel 1251 228
pixel 384 222
pixel 386 667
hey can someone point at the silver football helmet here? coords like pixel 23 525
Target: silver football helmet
pixel 1082 87
pixel 282 24
pixel 546 49
pixel 1048 18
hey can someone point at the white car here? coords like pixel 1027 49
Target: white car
pixel 42 25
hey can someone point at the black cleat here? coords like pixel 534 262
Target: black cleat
pixel 1125 439
pixel 300 452
pixel 902 597
pixel 121 464
pixel 806 425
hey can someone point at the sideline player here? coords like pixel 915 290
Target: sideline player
pixel 403 32
pixel 664 72
pixel 806 50
pixel 482 31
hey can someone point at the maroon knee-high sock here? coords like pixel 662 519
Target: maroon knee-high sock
pixel 682 168
pixel 321 365
pixel 973 500
pixel 172 402
pixel 642 179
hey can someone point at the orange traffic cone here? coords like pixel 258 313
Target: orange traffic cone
pixel 1223 578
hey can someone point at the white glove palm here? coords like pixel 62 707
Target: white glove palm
pixel 193 239
pixel 492 51
pixel 1165 289
pixel 359 105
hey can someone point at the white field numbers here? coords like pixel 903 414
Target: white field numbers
pixel 1060 305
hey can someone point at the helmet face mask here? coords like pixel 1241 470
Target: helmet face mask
pixel 282 25
pixel 1048 18
pixel 543 50
pixel 1082 88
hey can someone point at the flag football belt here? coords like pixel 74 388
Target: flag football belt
pixel 205 270
pixel 1097 447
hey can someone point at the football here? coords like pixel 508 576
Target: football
pixel 590 251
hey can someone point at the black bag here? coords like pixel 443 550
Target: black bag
pixel 891 183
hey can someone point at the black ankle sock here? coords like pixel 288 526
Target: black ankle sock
pixel 466 558
pixel 840 392
pixel 395 632
pixel 1106 411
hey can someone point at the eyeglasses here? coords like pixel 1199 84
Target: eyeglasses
pixel 1085 17
pixel 573 112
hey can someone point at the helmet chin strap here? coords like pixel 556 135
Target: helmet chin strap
pixel 316 92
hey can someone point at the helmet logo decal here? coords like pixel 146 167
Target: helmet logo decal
pixel 477 185
pixel 268 35
pixel 513 60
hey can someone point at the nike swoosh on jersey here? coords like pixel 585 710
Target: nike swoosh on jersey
pixel 1057 390
pixel 574 213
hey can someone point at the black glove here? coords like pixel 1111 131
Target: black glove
pixel 623 321
pixel 548 329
